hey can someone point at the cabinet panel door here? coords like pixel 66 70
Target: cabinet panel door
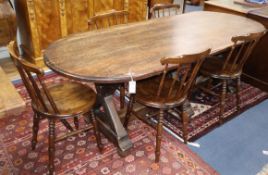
pixel 4 32
pixel 152 2
pixel 48 21
pixel 77 15
pixel 104 5
pixel 137 10
pixel 78 12
pixel 7 23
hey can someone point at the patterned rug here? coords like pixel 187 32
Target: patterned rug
pixel 206 110
pixel 264 170
pixel 79 155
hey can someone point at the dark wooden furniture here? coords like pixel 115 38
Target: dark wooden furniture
pixel 227 7
pixel 107 57
pixel 250 4
pixel 57 101
pixel 162 10
pixel 255 69
pixel 230 67
pixel 106 20
pixel 42 22
pixel 7 23
pixel 166 93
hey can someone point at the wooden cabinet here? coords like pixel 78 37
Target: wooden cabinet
pixel 7 23
pixel 153 2
pixel 41 22
pixel 255 69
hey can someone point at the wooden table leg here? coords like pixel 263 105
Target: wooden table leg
pixel 109 121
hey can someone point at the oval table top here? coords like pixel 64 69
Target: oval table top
pixel 108 55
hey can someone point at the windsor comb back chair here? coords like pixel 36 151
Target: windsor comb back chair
pixel 162 10
pixel 164 93
pixel 55 102
pixel 230 67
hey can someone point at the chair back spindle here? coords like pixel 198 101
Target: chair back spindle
pixel 186 71
pixel 166 9
pixel 32 77
pixel 240 52
pixel 108 19
pixel 151 3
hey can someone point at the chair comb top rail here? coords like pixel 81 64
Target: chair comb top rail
pixel 165 9
pixel 240 51
pixel 108 19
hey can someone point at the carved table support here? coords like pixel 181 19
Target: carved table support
pixel 109 121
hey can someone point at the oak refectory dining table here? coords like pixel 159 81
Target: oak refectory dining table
pixel 108 57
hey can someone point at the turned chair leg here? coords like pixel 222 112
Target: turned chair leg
pixel 129 109
pixel 36 119
pixel 51 146
pixel 222 102
pixel 96 130
pixel 159 136
pixel 122 96
pixel 209 83
pixel 238 101
pixel 76 123
pixel 185 120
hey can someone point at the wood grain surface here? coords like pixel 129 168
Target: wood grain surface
pixel 11 102
pixel 256 67
pixel 42 22
pixel 107 56
pixel 227 7
pixel 7 23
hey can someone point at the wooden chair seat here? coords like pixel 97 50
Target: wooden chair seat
pixel 147 89
pixel 212 66
pixel 70 97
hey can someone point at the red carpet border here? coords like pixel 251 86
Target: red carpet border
pixel 208 119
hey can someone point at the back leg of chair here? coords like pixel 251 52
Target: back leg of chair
pixel 222 100
pixel 185 121
pixel 122 96
pixel 129 109
pixel 36 119
pixel 76 123
pixel 238 100
pixel 96 130
pixel 209 83
pixel 159 130
pixel 51 146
